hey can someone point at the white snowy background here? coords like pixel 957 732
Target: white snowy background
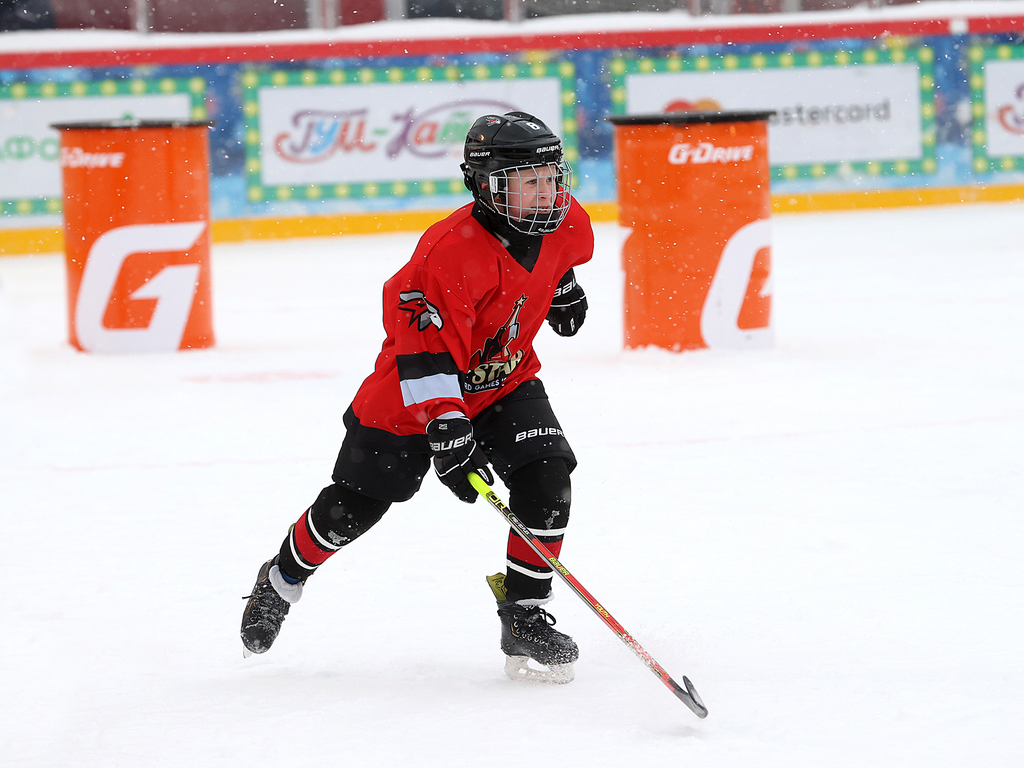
pixel 827 537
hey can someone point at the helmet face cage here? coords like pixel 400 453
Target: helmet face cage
pixel 514 167
pixel 532 199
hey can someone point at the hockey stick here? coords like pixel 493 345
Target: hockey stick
pixel 686 693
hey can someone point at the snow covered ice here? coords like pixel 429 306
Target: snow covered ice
pixel 826 536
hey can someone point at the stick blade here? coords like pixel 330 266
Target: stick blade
pixel 689 696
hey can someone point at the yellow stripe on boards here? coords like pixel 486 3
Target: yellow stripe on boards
pixel 31 241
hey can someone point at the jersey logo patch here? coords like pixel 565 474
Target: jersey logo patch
pixel 421 311
pixel 496 360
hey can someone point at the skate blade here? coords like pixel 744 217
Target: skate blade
pixel 518 668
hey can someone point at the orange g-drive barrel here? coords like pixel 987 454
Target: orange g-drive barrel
pixel 694 188
pixel 137 235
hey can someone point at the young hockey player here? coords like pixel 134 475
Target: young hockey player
pixel 456 383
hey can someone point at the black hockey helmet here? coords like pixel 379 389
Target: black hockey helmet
pixel 516 144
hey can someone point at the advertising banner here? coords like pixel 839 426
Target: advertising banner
pixel 868 111
pixel 997 106
pixel 137 245
pixel 30 178
pixel 390 132
pixel 696 275
pixel 300 136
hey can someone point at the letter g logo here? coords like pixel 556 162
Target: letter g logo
pixel 719 317
pixel 173 287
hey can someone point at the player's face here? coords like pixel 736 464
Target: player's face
pixel 531 191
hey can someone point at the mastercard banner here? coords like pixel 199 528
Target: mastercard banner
pixel 391 132
pixel 837 113
pixel 997 107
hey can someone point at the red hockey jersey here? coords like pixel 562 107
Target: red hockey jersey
pixel 460 319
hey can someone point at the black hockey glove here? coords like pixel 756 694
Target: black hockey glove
pixel 568 307
pixel 456 453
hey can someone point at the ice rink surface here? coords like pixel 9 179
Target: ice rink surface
pixel 827 537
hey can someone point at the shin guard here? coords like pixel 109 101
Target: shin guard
pixel 338 517
pixel 540 495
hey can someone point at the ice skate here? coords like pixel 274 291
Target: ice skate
pixel 268 604
pixel 534 650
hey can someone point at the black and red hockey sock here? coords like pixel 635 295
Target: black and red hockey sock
pixel 338 517
pixel 540 496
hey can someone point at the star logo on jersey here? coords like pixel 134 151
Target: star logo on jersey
pixel 496 360
pixel 421 311
pixel 496 347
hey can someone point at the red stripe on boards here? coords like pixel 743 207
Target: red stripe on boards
pixel 269 50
